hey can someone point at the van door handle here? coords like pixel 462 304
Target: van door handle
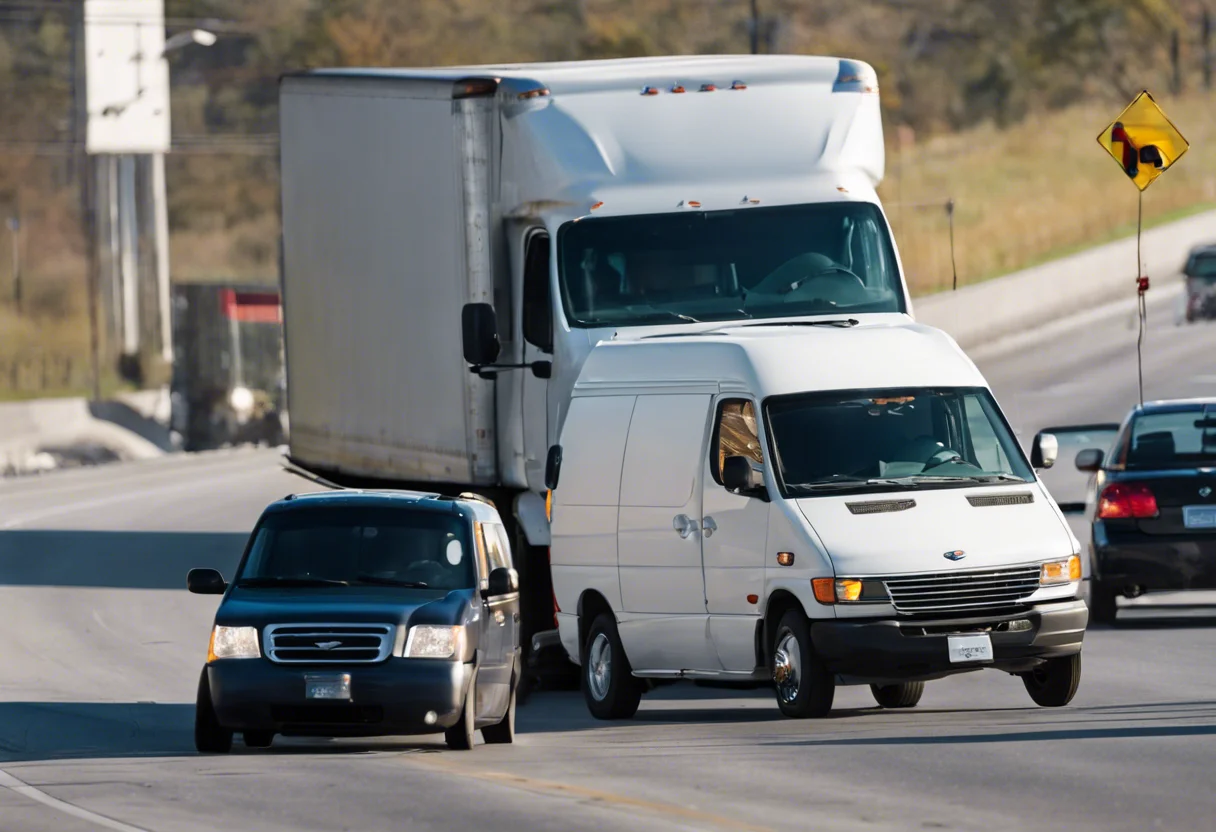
pixel 709 526
pixel 684 524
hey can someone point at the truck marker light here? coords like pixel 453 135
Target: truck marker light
pixel 747 200
pixel 536 93
pixel 650 91
pixel 678 88
pixel 708 88
pixel 752 599
pixel 692 203
pixel 597 205
pixel 738 85
pixel 785 558
pixel 824 589
pixel 842 189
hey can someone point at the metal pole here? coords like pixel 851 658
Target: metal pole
pixel 755 27
pixel 130 242
pixel 14 226
pixel 1141 288
pixel 1206 38
pixel 88 174
pixel 950 218
pixel 161 213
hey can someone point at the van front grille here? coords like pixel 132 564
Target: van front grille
pixel 957 592
pixel 328 643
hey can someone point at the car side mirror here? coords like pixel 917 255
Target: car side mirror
pixel 1090 459
pixel 739 478
pixel 479 332
pixel 553 467
pixel 205 582
pixel 503 581
pixel 1044 451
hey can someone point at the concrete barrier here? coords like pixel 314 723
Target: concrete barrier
pixel 985 312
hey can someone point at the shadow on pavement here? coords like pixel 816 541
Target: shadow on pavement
pixel 134 560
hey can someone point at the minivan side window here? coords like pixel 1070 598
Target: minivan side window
pixel 736 433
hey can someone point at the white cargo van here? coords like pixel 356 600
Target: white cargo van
pixel 815 503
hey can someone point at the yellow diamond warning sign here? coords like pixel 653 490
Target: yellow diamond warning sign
pixel 1143 141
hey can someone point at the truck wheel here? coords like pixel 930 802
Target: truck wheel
pixel 805 688
pixel 209 736
pixel 1102 606
pixel 460 736
pixel 503 733
pixel 607 677
pixel 904 695
pixel 258 739
pixel 1054 683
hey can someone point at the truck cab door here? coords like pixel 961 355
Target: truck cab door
pixel 536 322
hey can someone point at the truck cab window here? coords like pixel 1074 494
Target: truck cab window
pixel 537 312
pixel 736 434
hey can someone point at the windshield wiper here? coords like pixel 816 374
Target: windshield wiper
pixel 840 482
pixel 263 582
pixel 842 323
pixel 376 579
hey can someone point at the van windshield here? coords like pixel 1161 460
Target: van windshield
pixel 728 265
pixel 879 440
pixel 359 546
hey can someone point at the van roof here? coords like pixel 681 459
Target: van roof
pixel 767 359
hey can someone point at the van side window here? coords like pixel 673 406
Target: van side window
pixel 736 434
pixel 537 312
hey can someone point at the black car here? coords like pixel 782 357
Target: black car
pixel 360 613
pixel 1151 503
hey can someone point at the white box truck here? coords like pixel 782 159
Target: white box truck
pixel 534 211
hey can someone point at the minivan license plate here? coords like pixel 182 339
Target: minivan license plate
pixel 977 648
pixel 1199 517
pixel 327 686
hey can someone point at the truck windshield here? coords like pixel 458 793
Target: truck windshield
pixel 728 265
pixel 878 440
pixel 342 546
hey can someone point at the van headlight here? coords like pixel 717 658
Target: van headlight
pixel 233 643
pixel 430 641
pixel 1058 572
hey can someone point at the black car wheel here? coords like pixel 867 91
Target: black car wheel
pixel 1054 683
pixel 1102 606
pixel 804 687
pixel 209 736
pixel 904 695
pixel 608 683
pixel 460 737
pixel 502 733
pixel 258 739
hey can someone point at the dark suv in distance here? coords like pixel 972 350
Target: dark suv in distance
pixel 364 613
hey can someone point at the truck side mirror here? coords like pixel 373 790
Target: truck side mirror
pixel 1090 459
pixel 738 477
pixel 1044 451
pixel 205 582
pixel 479 329
pixel 553 467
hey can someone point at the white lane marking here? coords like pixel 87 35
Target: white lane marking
pixel 11 783
pixel 122 496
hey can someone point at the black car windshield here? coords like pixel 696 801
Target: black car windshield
pixel 728 265
pixel 348 545
pixel 875 440
pixel 1172 439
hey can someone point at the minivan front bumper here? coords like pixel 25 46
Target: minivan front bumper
pixel 897 650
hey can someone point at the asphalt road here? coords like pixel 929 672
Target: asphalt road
pixel 101 649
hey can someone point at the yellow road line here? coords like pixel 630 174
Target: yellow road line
pixel 568 790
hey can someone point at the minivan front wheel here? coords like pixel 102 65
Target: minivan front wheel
pixel 608 684
pixel 804 687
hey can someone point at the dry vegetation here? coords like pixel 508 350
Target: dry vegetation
pixel 1002 101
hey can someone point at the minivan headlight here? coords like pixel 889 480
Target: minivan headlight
pixel 233 643
pixel 430 641
pixel 1057 572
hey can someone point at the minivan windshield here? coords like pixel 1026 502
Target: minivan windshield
pixel 876 440
pixel 728 265
pixel 368 546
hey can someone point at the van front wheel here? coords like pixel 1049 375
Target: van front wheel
pixel 608 684
pixel 804 687
pixel 1054 683
pixel 903 695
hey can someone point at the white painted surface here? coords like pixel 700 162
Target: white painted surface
pixel 127 79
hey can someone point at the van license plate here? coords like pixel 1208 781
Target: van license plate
pixel 1199 517
pixel 977 648
pixel 327 686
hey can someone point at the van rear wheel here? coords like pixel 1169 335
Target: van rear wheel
pixel 608 684
pixel 804 687
pixel 903 695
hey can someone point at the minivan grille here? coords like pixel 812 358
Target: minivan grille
pixel 328 643
pixel 948 592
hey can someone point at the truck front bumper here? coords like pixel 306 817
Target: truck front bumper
pixel 392 697
pixel 901 650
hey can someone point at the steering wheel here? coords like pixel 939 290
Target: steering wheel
pixel 944 457
pixel 834 271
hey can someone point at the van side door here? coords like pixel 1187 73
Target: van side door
pixel 662 624
pixel 734 537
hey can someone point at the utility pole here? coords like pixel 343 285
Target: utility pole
pixel 1176 61
pixel 755 27
pixel 14 227
pixel 88 200
pixel 1205 36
